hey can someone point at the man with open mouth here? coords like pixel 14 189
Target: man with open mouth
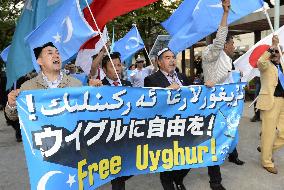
pixel 50 76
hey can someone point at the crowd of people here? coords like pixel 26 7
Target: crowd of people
pixel 216 66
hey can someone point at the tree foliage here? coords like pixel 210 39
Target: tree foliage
pixel 9 13
pixel 147 19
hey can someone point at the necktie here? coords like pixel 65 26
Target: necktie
pixel 280 76
pixel 172 78
pixel 115 83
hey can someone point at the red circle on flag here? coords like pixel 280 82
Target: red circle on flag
pixel 257 53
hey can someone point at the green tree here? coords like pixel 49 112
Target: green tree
pixel 147 19
pixel 9 13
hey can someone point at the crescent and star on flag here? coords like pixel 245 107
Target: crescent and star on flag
pixel 46 177
pixel 69 26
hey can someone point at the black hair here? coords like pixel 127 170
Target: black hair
pixel 131 66
pixel 114 55
pixel 94 57
pixel 38 50
pixel 228 38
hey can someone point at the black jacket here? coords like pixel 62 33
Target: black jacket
pixel 158 79
pixel 124 82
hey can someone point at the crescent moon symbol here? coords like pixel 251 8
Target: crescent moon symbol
pixel 132 39
pixel 69 25
pixel 43 180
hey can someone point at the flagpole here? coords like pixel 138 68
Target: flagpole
pixel 148 55
pixel 144 45
pixel 273 31
pixel 101 36
pixel 278 46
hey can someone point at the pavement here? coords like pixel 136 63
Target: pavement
pixel 251 176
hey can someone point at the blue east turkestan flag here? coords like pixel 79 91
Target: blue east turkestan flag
pixel 182 16
pixel 129 44
pixel 19 60
pixel 4 53
pixel 194 20
pixel 65 27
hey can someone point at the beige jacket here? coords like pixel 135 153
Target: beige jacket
pixel 39 83
pixel 269 81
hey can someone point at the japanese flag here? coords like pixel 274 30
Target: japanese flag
pixel 84 57
pixel 247 63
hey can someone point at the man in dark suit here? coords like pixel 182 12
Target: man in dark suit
pixel 113 74
pixel 167 77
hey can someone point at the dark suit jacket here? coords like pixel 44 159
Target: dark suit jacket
pixel 158 79
pixel 124 82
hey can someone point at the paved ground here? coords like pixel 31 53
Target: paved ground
pixel 14 176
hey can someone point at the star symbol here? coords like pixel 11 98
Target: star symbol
pixel 197 6
pixel 57 38
pixel 71 180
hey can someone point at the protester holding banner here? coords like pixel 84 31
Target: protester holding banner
pixel 112 80
pixel 217 67
pixel 271 103
pixel 51 76
pixel 167 77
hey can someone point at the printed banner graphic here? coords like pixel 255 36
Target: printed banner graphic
pixel 82 138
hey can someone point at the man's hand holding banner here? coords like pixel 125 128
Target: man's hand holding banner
pixel 81 138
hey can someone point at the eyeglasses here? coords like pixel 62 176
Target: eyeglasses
pixel 276 51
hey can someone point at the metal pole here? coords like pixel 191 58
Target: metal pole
pixel 105 46
pixel 273 31
pixel 276 14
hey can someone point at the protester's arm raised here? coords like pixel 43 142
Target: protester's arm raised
pixel 96 62
pixel 264 60
pixel 212 52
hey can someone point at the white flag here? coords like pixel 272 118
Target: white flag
pixel 84 57
pixel 247 63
